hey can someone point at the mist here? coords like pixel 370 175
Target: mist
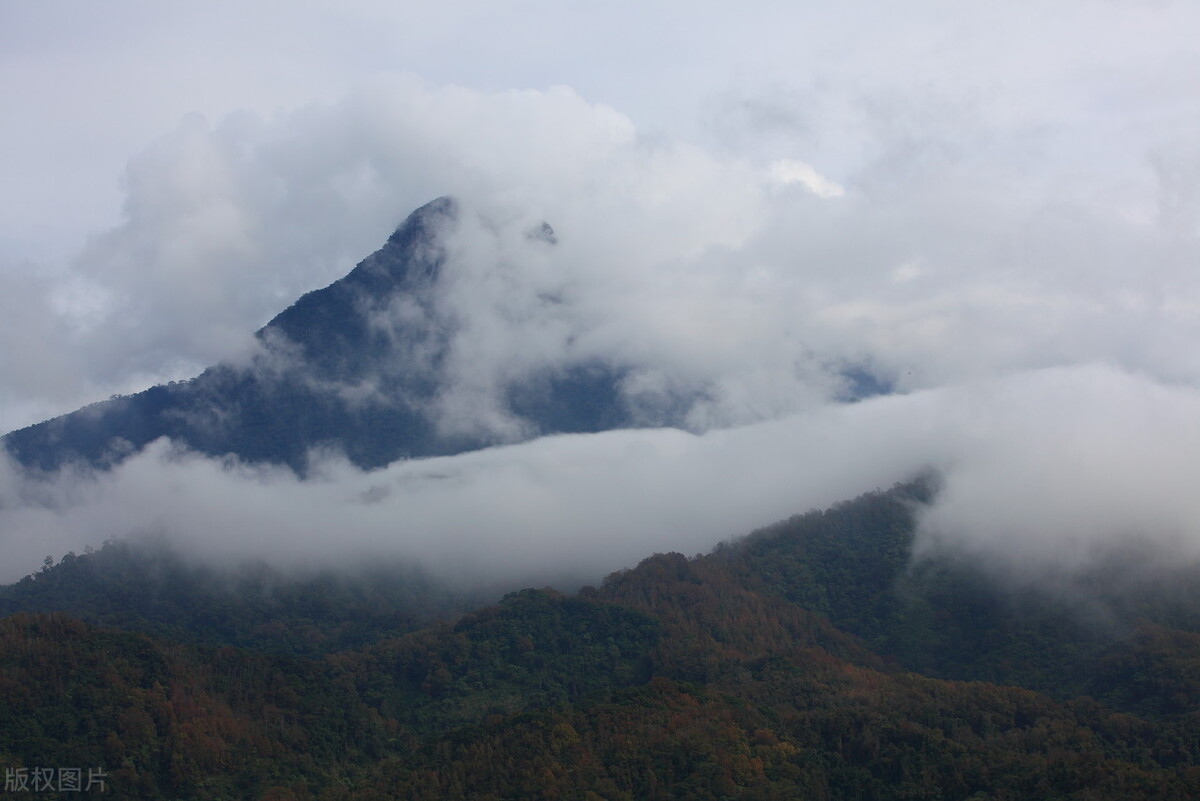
pixel 1041 471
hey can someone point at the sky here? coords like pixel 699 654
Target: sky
pixel 992 207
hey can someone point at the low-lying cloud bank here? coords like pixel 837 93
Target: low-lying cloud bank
pixel 1042 471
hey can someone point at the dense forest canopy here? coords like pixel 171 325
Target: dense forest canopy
pixel 812 658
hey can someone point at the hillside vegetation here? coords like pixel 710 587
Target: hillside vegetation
pixel 808 660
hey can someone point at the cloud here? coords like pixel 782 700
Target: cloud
pixel 1042 471
pixel 1061 468
pixel 978 148
pixel 791 171
pixel 573 506
pixel 1013 202
pixel 226 224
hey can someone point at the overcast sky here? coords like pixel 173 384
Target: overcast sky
pixel 953 196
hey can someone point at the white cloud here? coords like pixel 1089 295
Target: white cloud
pixel 791 171
pixel 1042 470
pixel 1013 196
pixel 1062 465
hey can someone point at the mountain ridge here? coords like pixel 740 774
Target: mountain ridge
pixel 679 678
pixel 356 366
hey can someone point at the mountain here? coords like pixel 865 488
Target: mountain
pixel 811 659
pixel 366 366
pixel 357 367
pixel 143 584
pixel 815 658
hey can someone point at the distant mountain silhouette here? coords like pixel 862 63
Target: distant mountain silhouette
pixel 356 366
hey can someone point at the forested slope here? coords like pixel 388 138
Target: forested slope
pixel 805 661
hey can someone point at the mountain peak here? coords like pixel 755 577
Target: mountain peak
pixel 414 252
pixel 359 365
pixel 337 321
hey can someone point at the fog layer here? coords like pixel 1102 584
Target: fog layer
pixel 1041 470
